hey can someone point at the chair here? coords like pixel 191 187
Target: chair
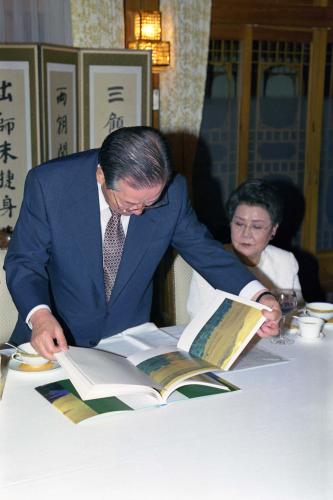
pixel 172 283
pixel 181 273
pixel 8 312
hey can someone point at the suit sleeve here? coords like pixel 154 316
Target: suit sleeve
pixel 29 251
pixel 206 255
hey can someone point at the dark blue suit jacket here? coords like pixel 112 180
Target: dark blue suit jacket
pixel 55 254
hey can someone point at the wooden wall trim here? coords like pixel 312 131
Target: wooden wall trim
pixel 244 92
pixel 314 138
pixel 258 13
pixel 326 270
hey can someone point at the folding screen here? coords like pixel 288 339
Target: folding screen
pixel 59 117
pixel 57 100
pixel 19 125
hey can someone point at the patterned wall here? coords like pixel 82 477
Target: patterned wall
pixel 214 174
pixel 277 127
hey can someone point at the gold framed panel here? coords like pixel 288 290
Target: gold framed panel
pixel 59 109
pixel 115 92
pixel 19 125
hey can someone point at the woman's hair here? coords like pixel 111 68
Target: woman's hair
pixel 257 192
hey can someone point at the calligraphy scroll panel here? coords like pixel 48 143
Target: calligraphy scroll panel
pixel 59 85
pixel 15 137
pixel 115 92
pixel 115 100
pixel 62 109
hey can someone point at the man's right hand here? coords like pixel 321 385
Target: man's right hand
pixel 47 335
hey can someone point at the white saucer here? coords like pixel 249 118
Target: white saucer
pixel 25 368
pixel 315 339
pixel 328 327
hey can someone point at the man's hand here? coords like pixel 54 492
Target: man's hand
pixel 271 325
pixel 45 331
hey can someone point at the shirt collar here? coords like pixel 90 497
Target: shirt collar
pixel 103 205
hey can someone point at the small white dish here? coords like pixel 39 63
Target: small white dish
pixel 25 368
pixel 26 359
pixel 323 310
pixel 26 354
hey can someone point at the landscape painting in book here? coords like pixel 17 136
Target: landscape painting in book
pixel 227 329
pixel 166 369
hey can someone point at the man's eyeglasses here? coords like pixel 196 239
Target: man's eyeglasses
pixel 126 207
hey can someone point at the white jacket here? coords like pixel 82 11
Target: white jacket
pixel 277 268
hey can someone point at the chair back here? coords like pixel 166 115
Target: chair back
pixel 181 274
pixel 8 312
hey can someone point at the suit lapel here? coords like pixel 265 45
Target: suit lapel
pixel 82 220
pixel 87 233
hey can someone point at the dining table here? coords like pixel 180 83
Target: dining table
pixel 270 440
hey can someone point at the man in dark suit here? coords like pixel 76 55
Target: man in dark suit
pixel 54 263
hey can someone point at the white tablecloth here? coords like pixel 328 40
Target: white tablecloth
pixel 272 440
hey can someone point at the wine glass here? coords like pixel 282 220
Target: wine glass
pixel 288 302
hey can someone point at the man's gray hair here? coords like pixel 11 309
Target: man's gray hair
pixel 138 155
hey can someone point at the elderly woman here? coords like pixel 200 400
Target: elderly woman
pixel 255 211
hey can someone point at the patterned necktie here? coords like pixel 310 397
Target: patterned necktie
pixel 113 247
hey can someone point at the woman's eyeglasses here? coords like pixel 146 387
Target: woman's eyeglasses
pixel 255 229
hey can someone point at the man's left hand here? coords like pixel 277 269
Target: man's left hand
pixel 271 325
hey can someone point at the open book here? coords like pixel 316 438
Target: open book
pixel 211 341
pixel 63 396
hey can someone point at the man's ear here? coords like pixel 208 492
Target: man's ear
pixel 100 175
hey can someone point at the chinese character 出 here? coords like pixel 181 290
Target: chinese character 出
pixel 3 88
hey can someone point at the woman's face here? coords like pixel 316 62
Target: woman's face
pixel 251 230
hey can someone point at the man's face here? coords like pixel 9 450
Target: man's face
pixel 125 199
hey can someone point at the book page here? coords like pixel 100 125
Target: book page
pixel 169 369
pixel 97 373
pixel 222 329
pixel 139 338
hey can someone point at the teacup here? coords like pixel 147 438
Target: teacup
pixel 310 327
pixel 323 310
pixel 29 356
